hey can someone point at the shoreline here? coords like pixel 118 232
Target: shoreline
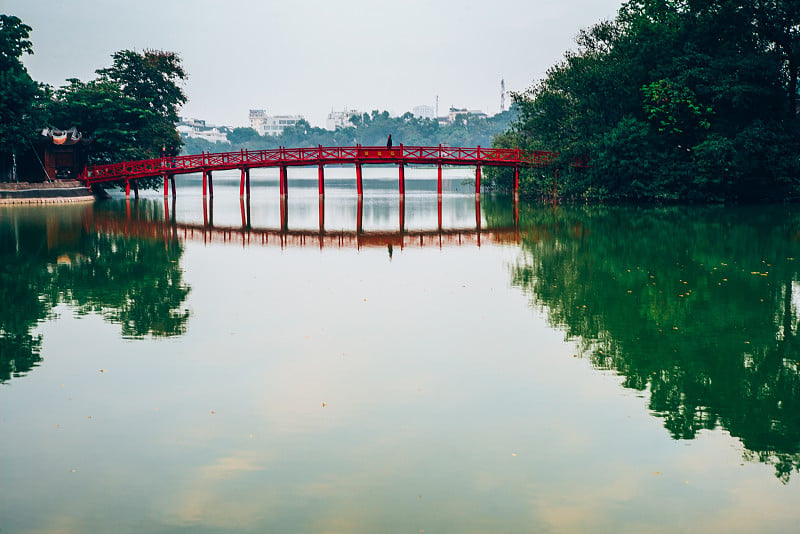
pixel 58 192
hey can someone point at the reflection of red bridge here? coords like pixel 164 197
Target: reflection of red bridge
pixel 170 230
pixel 244 160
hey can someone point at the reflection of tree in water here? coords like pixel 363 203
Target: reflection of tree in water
pixel 47 257
pixel 696 304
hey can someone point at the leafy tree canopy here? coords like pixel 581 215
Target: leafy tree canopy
pixel 130 109
pixel 672 100
pixel 20 96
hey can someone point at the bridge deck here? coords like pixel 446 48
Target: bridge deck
pixel 291 157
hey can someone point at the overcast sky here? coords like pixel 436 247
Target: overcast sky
pixel 311 56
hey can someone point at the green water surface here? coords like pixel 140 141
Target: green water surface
pixel 562 369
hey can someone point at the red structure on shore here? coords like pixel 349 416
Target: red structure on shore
pixel 284 158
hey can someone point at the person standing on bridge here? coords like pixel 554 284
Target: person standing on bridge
pixel 389 142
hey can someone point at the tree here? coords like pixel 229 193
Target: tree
pixel 243 135
pixel 674 100
pixel 19 94
pixel 130 110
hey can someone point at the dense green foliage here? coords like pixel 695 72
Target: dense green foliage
pixel 20 96
pixel 129 111
pixel 672 100
pixel 368 130
pixel 698 306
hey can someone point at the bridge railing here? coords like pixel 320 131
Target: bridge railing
pixel 317 155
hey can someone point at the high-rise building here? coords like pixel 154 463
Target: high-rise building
pixel 424 112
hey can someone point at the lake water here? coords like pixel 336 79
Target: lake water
pixel 268 367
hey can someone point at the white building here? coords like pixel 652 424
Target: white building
pixel 266 124
pixel 198 129
pixel 424 112
pixel 340 119
pixel 460 114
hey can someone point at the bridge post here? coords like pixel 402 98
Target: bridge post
pixel 402 173
pixel 284 182
pixel 284 215
pixel 127 189
pixel 135 189
pixel 402 219
pixel 247 183
pixel 359 181
pixel 210 184
pixel 241 183
pixel 439 182
pixel 360 216
pixel 477 181
pixel 172 184
pixel 205 183
pixel 166 186
pixel 321 176
pixel 516 183
pixel 321 215
pixel 478 217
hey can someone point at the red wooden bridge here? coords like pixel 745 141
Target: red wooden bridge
pixel 283 158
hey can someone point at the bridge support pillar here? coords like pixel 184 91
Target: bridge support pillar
pixel 321 216
pixel 402 179
pixel 205 183
pixel 359 181
pixel 166 186
pixel 477 181
pixel 439 183
pixel 516 183
pixel 241 183
pixel 247 183
pixel 210 184
pixel 284 182
pixel 135 190
pixel 127 189
pixel 284 214
pixel 478 217
pixel 360 216
pixel 172 183
pixel 321 176
pixel 402 219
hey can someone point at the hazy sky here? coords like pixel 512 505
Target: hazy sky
pixel 311 56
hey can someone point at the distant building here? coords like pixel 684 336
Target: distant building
pixel 197 129
pixel 192 122
pixel 424 112
pixel 266 124
pixel 340 119
pixel 456 114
